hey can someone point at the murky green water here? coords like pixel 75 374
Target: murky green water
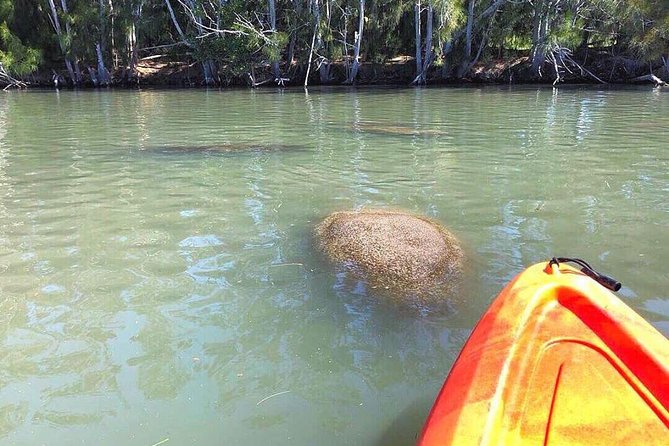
pixel 152 291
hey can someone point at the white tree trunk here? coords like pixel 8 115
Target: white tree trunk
pixel 133 55
pixel 293 37
pixel 114 50
pixel 468 32
pixel 419 40
pixel 132 49
pixel 424 54
pixel 543 13
pixel 272 23
pixel 103 73
pixel 77 71
pixel 317 19
pixel 358 40
pixel 93 75
pixel 448 45
pixel 427 59
pixel 176 24
pixel 59 33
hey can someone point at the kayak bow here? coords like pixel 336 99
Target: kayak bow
pixel 557 359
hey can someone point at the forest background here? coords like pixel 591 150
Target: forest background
pixel 280 42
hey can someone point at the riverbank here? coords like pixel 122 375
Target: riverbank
pixel 596 68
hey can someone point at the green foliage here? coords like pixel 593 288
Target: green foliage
pixel 15 57
pixel 635 28
pixel 648 28
pixel 568 31
pixel 278 42
pixel 452 17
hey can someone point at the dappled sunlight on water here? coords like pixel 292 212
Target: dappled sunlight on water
pixel 158 277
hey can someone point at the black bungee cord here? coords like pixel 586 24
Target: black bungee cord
pixel 606 281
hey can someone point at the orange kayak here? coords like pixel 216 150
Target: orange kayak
pixel 556 360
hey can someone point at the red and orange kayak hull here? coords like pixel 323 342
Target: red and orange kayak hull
pixel 556 360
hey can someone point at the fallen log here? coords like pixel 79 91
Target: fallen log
pixel 650 78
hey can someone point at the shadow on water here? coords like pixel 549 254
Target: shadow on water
pixel 223 149
pixel 405 428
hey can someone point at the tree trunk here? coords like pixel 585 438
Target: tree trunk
pixel 448 45
pixel 427 59
pixel 317 19
pixel 464 67
pixel 446 49
pixel 291 50
pixel 70 71
pixel 103 26
pixel 419 41
pixel 207 73
pixel 424 53
pixel 325 72
pixel 208 66
pixel 358 40
pixel 539 34
pixel 68 31
pixel 103 73
pixel 114 51
pixel 293 37
pixel 468 32
pixel 132 50
pixel 93 75
pixel 77 71
pixel 272 23
pixel 176 24
pixel 55 22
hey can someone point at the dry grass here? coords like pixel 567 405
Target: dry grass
pixel 392 249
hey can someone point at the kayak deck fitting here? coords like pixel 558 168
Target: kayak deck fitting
pixel 557 359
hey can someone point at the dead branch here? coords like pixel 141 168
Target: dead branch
pixel 561 59
pixel 6 78
pixel 650 78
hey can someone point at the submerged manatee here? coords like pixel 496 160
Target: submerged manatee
pixel 406 254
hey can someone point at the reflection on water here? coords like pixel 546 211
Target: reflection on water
pixel 237 148
pixel 146 297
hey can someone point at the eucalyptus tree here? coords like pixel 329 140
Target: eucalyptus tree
pixel 329 38
pixel 238 38
pixel 467 18
pixel 546 15
pixel 103 76
pixel 443 26
pixel 64 36
pixel 357 42
pixel 271 9
pixel 201 29
pixel 424 53
pixel 204 18
pixel 335 20
pixel 133 14
pixel 316 12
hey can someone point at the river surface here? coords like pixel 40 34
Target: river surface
pixel 158 279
